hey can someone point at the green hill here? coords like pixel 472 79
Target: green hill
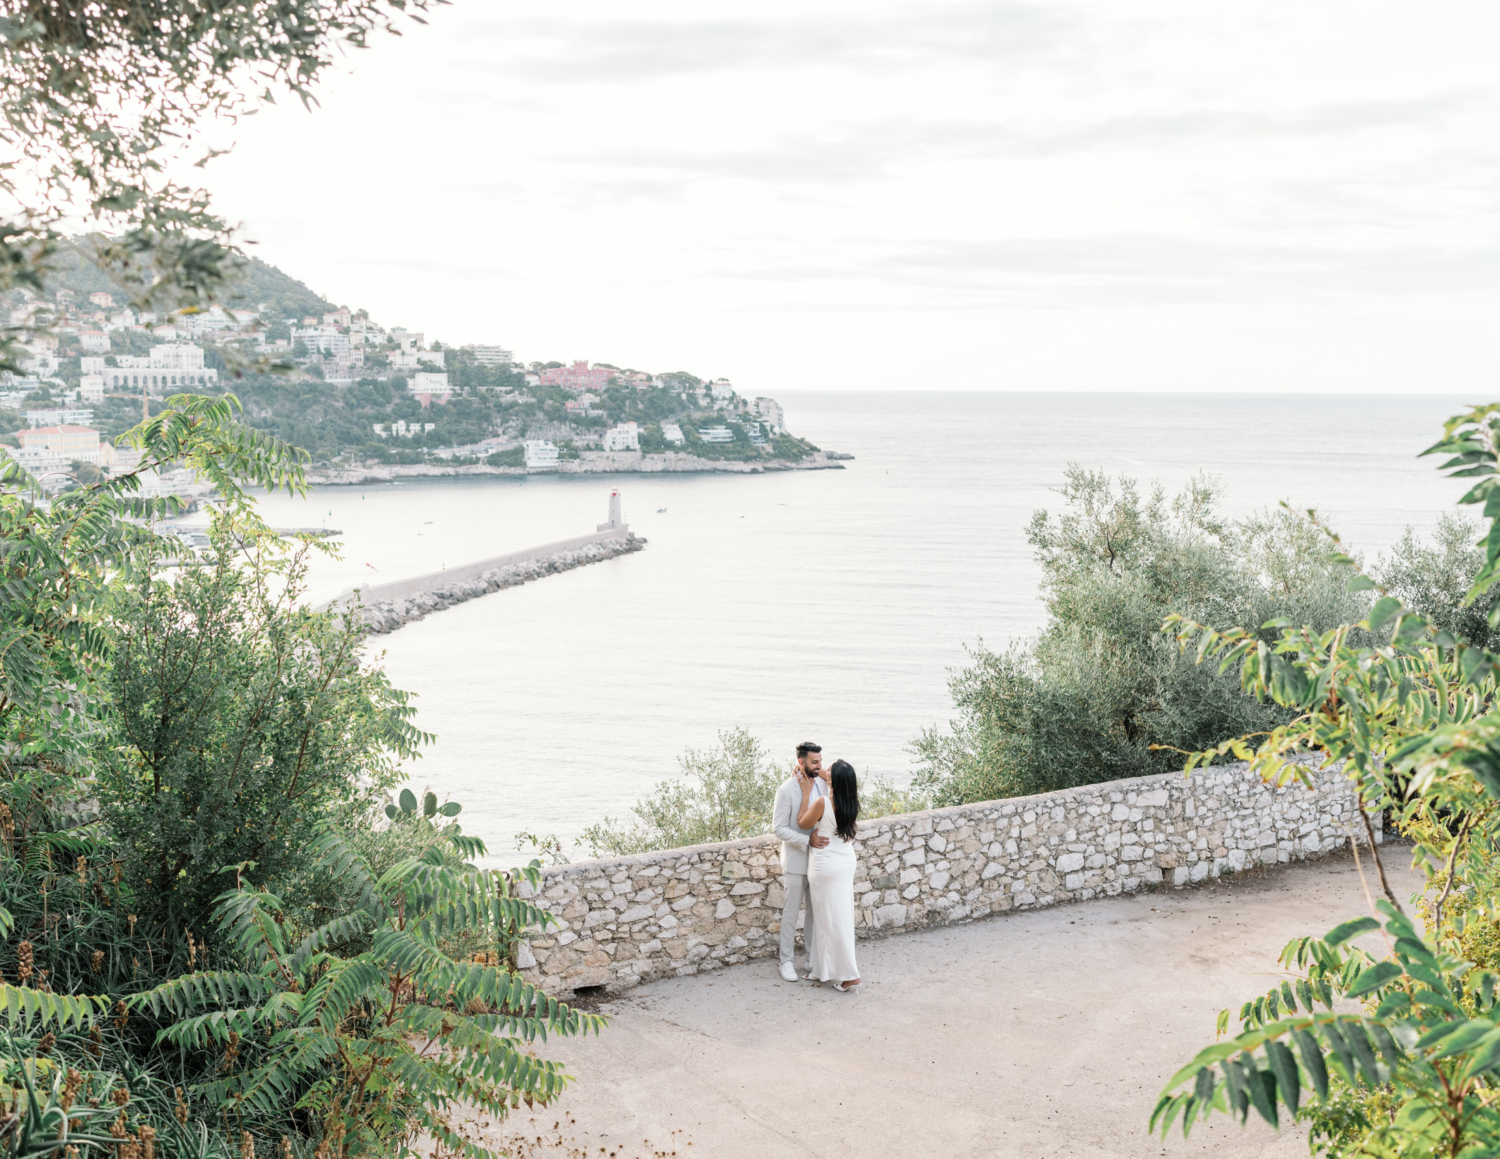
pixel 260 283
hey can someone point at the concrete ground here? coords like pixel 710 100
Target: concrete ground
pixel 1042 1033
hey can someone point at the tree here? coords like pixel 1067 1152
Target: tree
pixel 1406 708
pixel 721 794
pixel 101 100
pixel 242 719
pixel 1100 694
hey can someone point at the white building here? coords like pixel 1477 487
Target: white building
pixel 720 388
pixel 770 410
pixel 411 359
pixel 426 382
pixel 91 364
pixel 402 429
pixel 323 340
pixel 36 461
pixel 176 365
pixel 93 340
pixel 407 339
pixel 716 435
pixel 183 356
pixel 625 437
pixel 39 362
pixel 672 433
pixel 91 387
pixel 53 416
pixel 492 355
pixel 540 455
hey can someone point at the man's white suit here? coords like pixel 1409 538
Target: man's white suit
pixel 794 846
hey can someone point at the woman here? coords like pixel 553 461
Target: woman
pixel 830 872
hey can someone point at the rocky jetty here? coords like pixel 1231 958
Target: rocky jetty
pixel 387 615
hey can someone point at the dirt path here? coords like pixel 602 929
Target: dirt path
pixel 1043 1033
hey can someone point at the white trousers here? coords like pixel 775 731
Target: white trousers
pixel 795 885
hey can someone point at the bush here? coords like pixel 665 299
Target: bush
pixel 242 719
pixel 1100 694
pixel 173 727
pixel 722 794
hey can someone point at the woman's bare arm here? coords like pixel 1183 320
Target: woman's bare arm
pixel 811 813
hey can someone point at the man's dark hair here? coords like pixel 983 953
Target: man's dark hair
pixel 806 747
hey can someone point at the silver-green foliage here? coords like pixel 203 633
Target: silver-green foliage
pixel 1100 694
pixel 721 794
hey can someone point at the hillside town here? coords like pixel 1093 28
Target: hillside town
pixel 356 394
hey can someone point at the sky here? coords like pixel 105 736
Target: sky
pixel 1268 196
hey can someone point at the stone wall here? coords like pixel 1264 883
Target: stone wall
pixel 682 911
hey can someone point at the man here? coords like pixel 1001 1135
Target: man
pixel 794 848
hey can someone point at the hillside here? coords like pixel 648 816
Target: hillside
pixel 260 283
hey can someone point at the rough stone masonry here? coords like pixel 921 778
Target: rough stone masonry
pixel 388 615
pixel 683 911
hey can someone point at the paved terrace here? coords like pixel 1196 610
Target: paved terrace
pixel 1036 1033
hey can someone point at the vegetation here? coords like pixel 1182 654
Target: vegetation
pixel 721 794
pixel 1406 705
pixel 1100 694
pixel 209 932
pixel 103 104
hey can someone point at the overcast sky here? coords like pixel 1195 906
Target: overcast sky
pixel 1274 195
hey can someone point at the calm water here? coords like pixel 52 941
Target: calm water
pixel 824 605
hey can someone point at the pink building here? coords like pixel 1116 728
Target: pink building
pixel 579 376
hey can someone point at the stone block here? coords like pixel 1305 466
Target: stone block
pixel 725 909
pixel 1070 863
pixel 889 916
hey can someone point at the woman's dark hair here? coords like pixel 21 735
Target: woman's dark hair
pixel 845 799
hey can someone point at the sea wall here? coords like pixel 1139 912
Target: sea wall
pixel 390 606
pixel 682 911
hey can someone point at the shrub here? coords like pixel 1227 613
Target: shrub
pixel 1100 694
pixel 722 794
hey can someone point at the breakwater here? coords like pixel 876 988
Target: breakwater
pixel 386 607
pixel 682 911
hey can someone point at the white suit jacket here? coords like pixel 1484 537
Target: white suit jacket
pixel 784 825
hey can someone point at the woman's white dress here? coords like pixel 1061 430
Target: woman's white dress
pixel 830 879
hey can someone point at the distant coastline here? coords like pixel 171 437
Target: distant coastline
pixel 671 462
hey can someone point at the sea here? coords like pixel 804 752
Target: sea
pixel 831 606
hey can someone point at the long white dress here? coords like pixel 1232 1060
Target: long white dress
pixel 830 880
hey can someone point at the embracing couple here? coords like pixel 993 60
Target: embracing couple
pixel 815 814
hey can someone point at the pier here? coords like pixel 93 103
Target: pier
pixel 386 607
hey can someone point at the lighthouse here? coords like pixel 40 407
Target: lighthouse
pixel 616 519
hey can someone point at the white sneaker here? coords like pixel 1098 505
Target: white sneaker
pixel 788 971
